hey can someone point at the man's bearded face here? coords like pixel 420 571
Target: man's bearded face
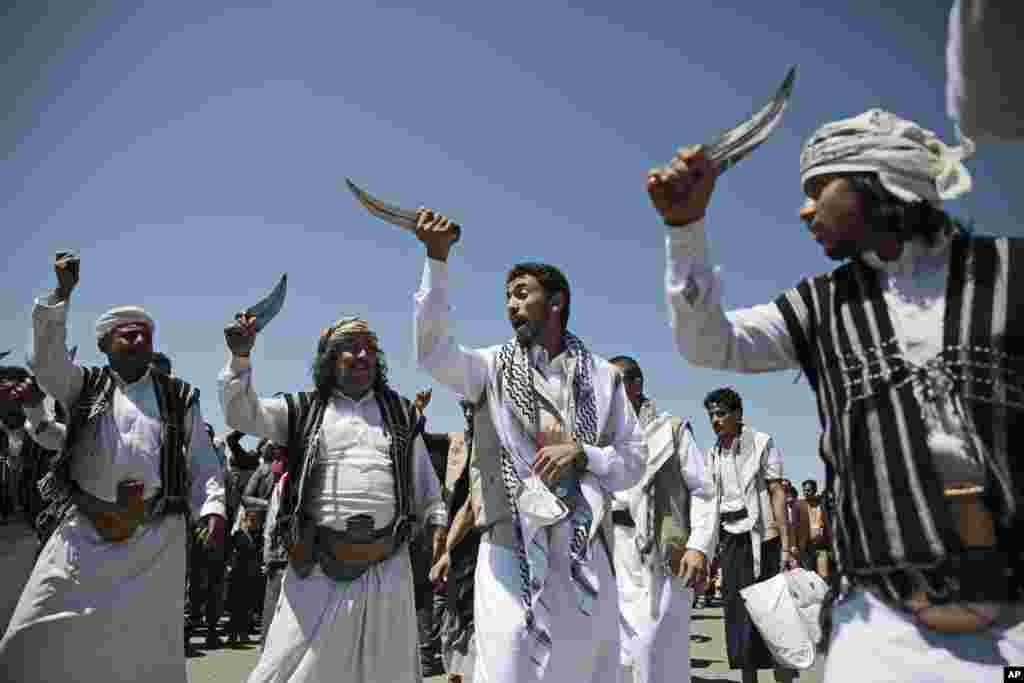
pixel 528 308
pixel 357 363
pixel 130 346
pixel 838 220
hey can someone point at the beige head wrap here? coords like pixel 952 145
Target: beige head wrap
pixel 911 162
pixel 342 327
pixel 122 315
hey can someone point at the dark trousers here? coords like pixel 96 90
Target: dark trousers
pixel 244 598
pixel 744 644
pixel 206 585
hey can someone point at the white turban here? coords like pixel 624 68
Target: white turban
pixel 911 162
pixel 122 315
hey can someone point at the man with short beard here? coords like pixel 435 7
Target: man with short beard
pixel 108 584
pixel 360 485
pixel 664 538
pixel 559 437
pixel 912 346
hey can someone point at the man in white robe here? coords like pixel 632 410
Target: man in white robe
pixel 339 507
pixel 559 438
pixel 113 608
pixel 664 541
pixel 918 603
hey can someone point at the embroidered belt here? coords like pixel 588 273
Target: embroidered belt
pixel 343 555
pixel 623 518
pixel 116 522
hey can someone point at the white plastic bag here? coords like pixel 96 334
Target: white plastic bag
pixel 785 610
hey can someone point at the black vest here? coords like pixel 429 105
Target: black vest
pixel 891 524
pixel 305 417
pixel 174 398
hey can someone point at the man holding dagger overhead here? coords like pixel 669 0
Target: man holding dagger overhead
pixel 360 485
pixel 913 346
pixel 559 437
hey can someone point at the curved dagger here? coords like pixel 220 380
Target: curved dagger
pixel 267 308
pixel 396 215
pixel 733 145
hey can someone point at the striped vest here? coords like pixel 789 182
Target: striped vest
pixel 174 399
pixel 892 527
pixel 305 417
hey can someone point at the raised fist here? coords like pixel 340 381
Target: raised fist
pixel 682 190
pixel 436 232
pixel 241 334
pixel 66 267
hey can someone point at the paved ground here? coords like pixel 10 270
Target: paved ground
pixel 707 653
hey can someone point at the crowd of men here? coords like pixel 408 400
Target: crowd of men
pixel 566 533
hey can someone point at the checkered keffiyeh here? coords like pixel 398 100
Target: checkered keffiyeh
pixel 516 380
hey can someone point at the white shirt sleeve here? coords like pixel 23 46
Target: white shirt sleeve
pixel 427 494
pixel 462 370
pixel 207 494
pixel 772 461
pixel 265 418
pixel 620 464
pixel 748 340
pixel 56 374
pixel 703 502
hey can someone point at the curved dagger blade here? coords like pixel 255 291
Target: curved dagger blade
pixel 733 145
pixel 266 309
pixel 396 215
pixel 4 354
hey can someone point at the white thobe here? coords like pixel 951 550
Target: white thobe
pixel 114 608
pixel 656 605
pixel 756 339
pixel 325 629
pixel 584 648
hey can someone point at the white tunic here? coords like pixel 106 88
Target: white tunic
pixel 325 629
pixel 114 608
pixel 756 339
pixel 655 606
pixel 584 648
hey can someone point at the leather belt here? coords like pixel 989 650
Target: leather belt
pixel 623 518
pixel 115 522
pixel 343 560
pixel 732 516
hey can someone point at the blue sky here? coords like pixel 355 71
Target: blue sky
pixel 191 153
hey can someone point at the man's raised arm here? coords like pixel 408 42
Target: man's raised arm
pixel 461 369
pixel 745 340
pixel 243 410
pixel 54 370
